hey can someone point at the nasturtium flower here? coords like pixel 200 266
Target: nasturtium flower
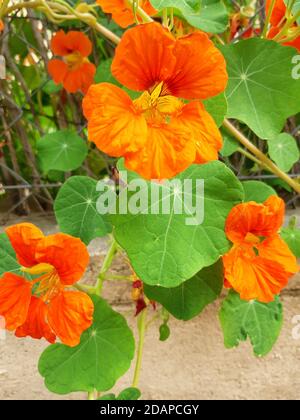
pixel 278 20
pixel 260 263
pixel 122 10
pixel 158 134
pixel 44 306
pixel 1 26
pixel 74 71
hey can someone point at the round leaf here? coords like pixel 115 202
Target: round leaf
pixel 292 237
pixel 261 91
pixel 261 322
pixel 257 191
pixel 61 151
pixel 212 17
pixel 283 149
pixel 217 108
pixel 191 297
pixel 8 260
pixel 76 212
pixel 102 357
pixel 164 249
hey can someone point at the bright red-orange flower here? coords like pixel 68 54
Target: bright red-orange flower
pixel 158 134
pixel 278 20
pixel 1 26
pixel 122 11
pixel 260 263
pixel 73 71
pixel 44 307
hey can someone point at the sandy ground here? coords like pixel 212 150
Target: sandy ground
pixel 192 364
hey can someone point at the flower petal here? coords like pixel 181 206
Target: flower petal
pixel 68 255
pixel 200 70
pixel 70 314
pixel 204 131
pixel 144 57
pixel 57 70
pixel 24 239
pixel 79 79
pixel 63 44
pixel 114 125
pixel 254 277
pixel 168 151
pixel 15 294
pixel 36 325
pixel 278 12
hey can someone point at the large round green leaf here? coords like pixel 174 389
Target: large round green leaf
pixel 291 235
pixel 76 212
pixel 8 260
pixel 166 249
pixel 191 297
pixel 217 108
pixel 260 322
pixel 283 149
pixel 61 151
pixel 184 6
pixel 257 191
pixel 102 357
pixel 261 91
pixel 212 17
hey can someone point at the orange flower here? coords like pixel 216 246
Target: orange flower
pixel 260 263
pixel 122 11
pixel 74 71
pixel 44 307
pixel 1 26
pixel 158 134
pixel 278 20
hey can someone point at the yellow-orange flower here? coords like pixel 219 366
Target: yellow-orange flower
pixel 260 263
pixel 159 134
pixel 122 11
pixel 44 307
pixel 74 71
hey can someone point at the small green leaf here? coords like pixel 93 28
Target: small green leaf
pixel 257 191
pixel 164 332
pixel 104 354
pixel 261 91
pixel 8 259
pixel 230 145
pixel 103 73
pixel 292 237
pixel 184 6
pixel 260 322
pixel 212 17
pixel 217 108
pixel 191 297
pixel 283 149
pixel 50 87
pixel 129 394
pixel 76 212
pixel 61 151
pixel 108 397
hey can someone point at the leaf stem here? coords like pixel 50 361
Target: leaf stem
pixel 142 319
pixel 261 156
pixel 106 266
pixel 91 395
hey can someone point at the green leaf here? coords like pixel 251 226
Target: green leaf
pixel 103 73
pixel 104 354
pixel 129 394
pixel 184 6
pixel 76 212
pixel 211 18
pixel 260 322
pixel 283 149
pixel 257 191
pixel 230 145
pixel 62 151
pixel 217 108
pixel 296 8
pixel 261 91
pixel 167 249
pixel 50 87
pixel 191 297
pixel 164 332
pixel 8 259
pixel 292 237
pixel 108 397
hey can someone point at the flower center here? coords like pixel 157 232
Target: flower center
pixel 48 283
pixel 157 106
pixel 75 60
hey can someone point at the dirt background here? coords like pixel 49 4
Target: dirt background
pixel 192 364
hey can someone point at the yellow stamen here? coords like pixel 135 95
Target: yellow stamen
pixel 75 60
pixel 252 239
pixel 42 268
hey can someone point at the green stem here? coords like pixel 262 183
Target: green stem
pixel 106 266
pixel 142 319
pixel 267 22
pixel 91 395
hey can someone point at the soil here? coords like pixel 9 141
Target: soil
pixel 192 364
